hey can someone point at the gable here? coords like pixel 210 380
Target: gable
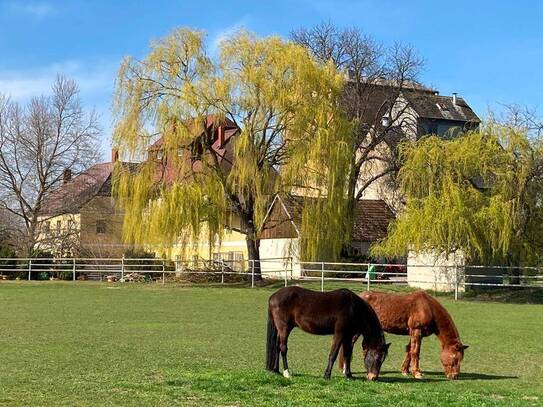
pixel 278 223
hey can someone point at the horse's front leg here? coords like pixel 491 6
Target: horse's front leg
pixel 407 359
pixel 341 363
pixel 347 346
pixel 336 344
pixel 416 339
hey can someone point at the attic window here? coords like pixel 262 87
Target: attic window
pixel 159 154
pixel 442 106
pixel 100 226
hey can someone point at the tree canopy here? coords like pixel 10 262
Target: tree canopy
pixel 285 106
pixel 39 141
pixel 479 194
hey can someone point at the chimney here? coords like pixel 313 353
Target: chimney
pixel 66 175
pixel 220 131
pixel 114 155
pixel 454 95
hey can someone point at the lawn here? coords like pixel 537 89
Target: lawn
pixel 96 344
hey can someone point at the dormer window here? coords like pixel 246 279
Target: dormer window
pixel 159 155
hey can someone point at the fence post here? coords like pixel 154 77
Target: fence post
pixel 122 268
pixel 455 282
pixel 286 276
pixel 29 268
pixel 163 272
pixel 73 268
pixel 322 276
pixel 222 272
pixel 252 273
pixel 368 277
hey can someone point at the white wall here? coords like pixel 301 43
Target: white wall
pixel 274 252
pixel 433 271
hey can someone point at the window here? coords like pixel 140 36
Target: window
pixel 59 226
pixel 47 227
pixel 70 224
pixel 100 226
pixel 195 261
pixel 196 151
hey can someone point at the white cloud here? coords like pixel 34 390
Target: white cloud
pixel 218 37
pixel 94 78
pixel 21 85
pixel 37 10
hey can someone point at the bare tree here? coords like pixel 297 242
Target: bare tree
pixel 520 117
pixel 39 142
pixel 377 75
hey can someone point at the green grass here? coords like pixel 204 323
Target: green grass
pixel 97 344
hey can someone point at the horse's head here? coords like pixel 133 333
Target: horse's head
pixel 374 356
pixel 451 357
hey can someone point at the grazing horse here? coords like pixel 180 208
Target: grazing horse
pixel 418 315
pixel 341 313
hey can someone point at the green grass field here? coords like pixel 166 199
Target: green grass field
pixel 97 344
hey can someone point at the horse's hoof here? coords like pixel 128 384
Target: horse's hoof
pixel 349 376
pixel 326 376
pixel 405 373
pixel 286 373
pixel 417 375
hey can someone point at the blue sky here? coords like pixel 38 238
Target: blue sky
pixel 490 52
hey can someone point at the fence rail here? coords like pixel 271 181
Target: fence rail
pixel 452 278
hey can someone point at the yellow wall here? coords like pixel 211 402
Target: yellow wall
pixel 59 234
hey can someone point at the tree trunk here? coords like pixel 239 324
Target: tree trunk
pixel 515 272
pixel 253 249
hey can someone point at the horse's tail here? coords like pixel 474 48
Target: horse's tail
pixel 272 348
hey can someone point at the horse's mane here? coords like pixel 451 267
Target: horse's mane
pixel 443 320
pixel 370 317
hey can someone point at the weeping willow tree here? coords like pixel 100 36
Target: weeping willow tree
pixel 283 110
pixel 480 194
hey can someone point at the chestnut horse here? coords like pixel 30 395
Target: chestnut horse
pixel 418 315
pixel 341 313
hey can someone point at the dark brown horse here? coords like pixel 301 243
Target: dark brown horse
pixel 341 313
pixel 418 315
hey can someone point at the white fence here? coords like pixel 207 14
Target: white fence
pixel 439 278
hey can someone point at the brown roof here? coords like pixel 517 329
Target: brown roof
pixel 431 106
pixel 425 101
pixel 166 172
pixel 371 220
pixel 210 121
pixel 71 196
pixel 377 97
pixel 371 217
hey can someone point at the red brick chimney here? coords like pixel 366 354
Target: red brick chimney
pixel 220 131
pixel 66 175
pixel 114 155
